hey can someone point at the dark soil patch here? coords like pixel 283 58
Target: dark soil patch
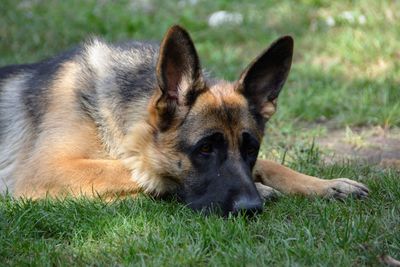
pixel 371 145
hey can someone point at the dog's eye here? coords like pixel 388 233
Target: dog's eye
pixel 206 149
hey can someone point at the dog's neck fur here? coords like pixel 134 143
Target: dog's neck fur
pixel 145 159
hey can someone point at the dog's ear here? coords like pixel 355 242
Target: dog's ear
pixel 264 78
pixel 179 73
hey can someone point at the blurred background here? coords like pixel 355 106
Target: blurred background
pixel 342 98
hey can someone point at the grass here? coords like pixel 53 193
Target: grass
pixel 291 231
pixel 346 74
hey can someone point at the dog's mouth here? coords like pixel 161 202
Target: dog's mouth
pixel 222 208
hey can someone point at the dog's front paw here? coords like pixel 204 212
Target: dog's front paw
pixel 266 192
pixel 342 188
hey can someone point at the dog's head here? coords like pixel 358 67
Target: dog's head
pixel 216 126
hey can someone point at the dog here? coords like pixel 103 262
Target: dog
pixel 116 120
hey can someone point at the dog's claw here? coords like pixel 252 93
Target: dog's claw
pixel 342 188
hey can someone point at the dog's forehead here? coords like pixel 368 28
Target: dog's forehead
pixel 221 94
pixel 225 93
pixel 220 109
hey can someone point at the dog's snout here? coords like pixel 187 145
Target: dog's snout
pixel 247 206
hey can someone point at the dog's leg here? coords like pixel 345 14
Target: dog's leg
pixel 288 181
pixel 77 177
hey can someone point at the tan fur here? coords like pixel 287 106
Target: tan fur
pixel 220 95
pixel 287 180
pixel 225 93
pixel 64 159
pixel 152 167
pixel 268 109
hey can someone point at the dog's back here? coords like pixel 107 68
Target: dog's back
pixel 101 86
pixel 22 102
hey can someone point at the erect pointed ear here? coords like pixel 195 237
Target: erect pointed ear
pixel 264 78
pixel 179 73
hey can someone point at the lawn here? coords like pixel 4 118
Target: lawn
pixel 346 73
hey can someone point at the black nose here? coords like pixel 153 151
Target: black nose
pixel 247 206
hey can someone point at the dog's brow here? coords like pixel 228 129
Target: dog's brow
pixel 207 133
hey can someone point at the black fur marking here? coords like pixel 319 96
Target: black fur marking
pixel 263 80
pixel 135 83
pixel 35 93
pixel 192 95
pixel 178 61
pixel 12 70
pixel 140 80
pixel 260 120
pixel 88 102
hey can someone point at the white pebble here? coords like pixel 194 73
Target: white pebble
pixel 330 21
pixel 348 15
pixel 362 19
pixel 224 17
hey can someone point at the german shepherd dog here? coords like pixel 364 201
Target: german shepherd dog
pixel 115 120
